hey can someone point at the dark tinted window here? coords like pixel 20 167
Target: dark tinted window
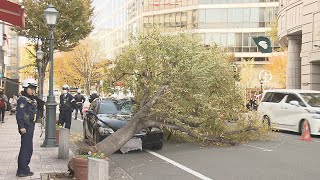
pixel 277 97
pixel 292 97
pixel 267 97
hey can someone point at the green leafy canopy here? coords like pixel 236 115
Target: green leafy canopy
pixel 73 24
pixel 201 93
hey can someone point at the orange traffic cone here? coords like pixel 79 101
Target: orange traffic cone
pixel 305 135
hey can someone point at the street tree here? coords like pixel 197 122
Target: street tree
pixel 27 62
pixel 82 67
pixel 247 73
pixel 74 23
pixel 88 63
pixel 63 72
pixel 179 85
pixel 278 67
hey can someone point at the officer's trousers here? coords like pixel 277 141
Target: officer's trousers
pixel 26 150
pixel 65 118
pixel 78 108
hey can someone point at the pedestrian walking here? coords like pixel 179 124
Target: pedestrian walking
pixel 13 104
pixel 3 105
pixel 26 117
pixel 66 107
pixel 93 96
pixel 80 99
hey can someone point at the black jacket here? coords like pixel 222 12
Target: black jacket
pixel 67 102
pixel 93 97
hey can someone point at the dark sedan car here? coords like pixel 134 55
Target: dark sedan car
pixel 105 116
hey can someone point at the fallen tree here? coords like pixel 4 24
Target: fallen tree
pixel 180 85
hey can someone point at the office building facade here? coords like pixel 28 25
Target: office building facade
pixel 229 23
pixel 298 29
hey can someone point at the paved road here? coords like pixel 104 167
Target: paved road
pixel 284 157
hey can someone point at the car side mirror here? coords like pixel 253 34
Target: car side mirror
pixel 295 103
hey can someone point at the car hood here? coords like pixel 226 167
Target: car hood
pixel 114 121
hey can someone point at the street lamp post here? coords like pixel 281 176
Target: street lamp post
pixel 51 15
pixel 40 55
pixel 261 83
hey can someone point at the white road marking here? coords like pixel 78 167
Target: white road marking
pixel 201 176
pixel 263 149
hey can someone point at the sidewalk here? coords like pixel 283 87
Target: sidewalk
pixel 43 159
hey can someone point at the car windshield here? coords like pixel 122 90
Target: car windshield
pixel 123 107
pixel 313 99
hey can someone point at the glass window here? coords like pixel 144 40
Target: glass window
pixel 313 99
pixel 245 39
pixel 212 15
pixel 254 15
pixel 204 1
pixel 223 39
pixel 238 39
pixel 277 97
pixel 292 97
pixel 115 107
pixel 231 39
pixel 202 15
pixel 239 15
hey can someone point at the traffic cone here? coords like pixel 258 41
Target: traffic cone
pixel 305 135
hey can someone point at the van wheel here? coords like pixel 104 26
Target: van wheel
pixel 266 120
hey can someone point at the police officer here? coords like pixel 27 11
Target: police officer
pixel 93 96
pixel 26 117
pixel 67 104
pixel 80 99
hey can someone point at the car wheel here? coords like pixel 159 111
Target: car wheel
pixel 96 137
pixel 266 120
pixel 84 130
pixel 157 146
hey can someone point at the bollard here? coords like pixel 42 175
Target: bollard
pixel 64 143
pixel 98 169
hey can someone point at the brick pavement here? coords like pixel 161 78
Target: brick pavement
pixel 43 159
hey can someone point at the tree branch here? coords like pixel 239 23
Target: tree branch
pixel 145 96
pixel 217 139
pixel 30 52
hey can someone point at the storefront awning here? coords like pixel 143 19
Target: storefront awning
pixel 11 13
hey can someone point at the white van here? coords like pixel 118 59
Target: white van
pixel 286 109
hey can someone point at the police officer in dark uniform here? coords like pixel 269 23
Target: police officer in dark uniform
pixel 93 96
pixel 80 99
pixel 26 117
pixel 67 105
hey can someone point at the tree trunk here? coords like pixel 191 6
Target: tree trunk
pixel 87 86
pixel 115 141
